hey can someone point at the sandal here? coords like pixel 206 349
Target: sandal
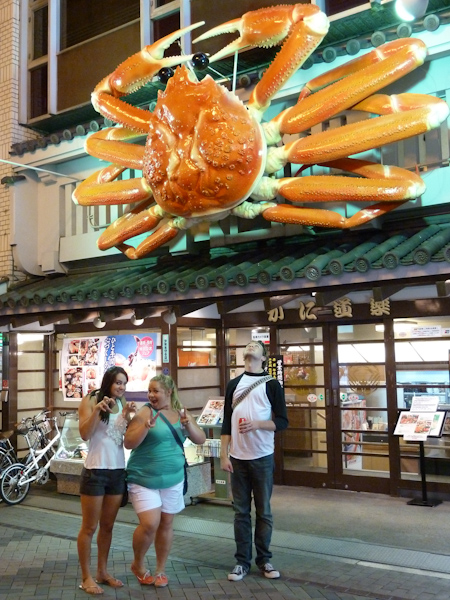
pixel 161 580
pixel 93 590
pixel 145 579
pixel 111 581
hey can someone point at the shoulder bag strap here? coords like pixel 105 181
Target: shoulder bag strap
pixel 172 429
pixel 251 387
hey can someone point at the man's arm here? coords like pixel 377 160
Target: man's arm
pixel 275 393
pixel 225 463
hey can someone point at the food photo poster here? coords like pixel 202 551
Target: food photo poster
pixel 83 361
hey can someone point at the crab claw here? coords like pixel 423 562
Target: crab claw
pixel 140 68
pixel 263 28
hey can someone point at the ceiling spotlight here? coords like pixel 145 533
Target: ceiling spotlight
pixel 135 321
pixel 169 317
pixel 409 10
pixel 99 323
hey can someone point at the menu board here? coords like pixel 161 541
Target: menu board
pixel 212 414
pixel 417 426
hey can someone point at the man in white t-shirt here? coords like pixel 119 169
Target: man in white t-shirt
pixel 251 418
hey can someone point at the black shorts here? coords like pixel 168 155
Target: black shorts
pixel 102 482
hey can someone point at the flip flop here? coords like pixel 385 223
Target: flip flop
pixel 145 579
pixel 93 590
pixel 111 581
pixel 161 580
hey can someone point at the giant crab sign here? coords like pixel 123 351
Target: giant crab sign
pixel 208 156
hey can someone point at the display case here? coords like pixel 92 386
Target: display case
pixel 68 463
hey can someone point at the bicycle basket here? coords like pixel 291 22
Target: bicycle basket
pixel 24 426
pixel 45 427
pixel 34 437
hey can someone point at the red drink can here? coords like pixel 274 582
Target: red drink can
pixel 241 420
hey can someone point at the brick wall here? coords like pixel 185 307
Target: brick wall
pixel 10 130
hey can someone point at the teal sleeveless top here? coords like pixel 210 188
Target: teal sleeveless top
pixel 157 463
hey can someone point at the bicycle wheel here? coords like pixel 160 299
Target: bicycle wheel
pixel 5 460
pixel 10 490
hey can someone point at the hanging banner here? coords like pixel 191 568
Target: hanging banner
pixel 84 361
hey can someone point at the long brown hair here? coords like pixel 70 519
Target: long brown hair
pixel 109 378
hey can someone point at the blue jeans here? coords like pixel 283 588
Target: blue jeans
pixel 252 476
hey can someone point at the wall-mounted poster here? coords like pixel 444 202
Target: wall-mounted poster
pixel 84 360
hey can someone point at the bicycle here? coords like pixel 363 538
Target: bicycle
pixel 8 455
pixel 15 480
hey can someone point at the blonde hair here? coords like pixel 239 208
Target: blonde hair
pixel 169 385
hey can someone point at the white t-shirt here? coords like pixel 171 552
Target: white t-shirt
pixel 256 406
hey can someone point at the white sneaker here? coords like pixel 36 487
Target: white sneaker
pixel 269 571
pixel 238 573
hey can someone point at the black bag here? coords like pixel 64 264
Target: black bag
pixel 180 443
pixel 185 484
pixel 125 496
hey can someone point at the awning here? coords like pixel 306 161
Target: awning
pixel 333 262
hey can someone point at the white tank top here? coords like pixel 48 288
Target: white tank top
pixel 104 451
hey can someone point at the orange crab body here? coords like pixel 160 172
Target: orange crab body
pixel 204 152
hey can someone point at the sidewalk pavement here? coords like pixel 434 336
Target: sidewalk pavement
pixel 39 556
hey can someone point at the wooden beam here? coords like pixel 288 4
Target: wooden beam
pixel 226 306
pixel 277 301
pixel 324 298
pixel 386 291
pixel 81 316
pixel 443 288
pixel 145 312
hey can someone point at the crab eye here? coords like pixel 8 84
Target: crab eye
pixel 165 74
pixel 200 61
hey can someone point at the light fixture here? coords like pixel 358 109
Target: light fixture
pixel 409 10
pixel 135 321
pixel 169 317
pixel 97 322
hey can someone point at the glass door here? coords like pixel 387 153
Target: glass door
pixel 360 409
pixel 304 443
pixel 335 388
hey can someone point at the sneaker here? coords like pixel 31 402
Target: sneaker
pixel 269 572
pixel 238 573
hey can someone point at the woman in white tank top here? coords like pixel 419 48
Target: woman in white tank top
pixel 103 418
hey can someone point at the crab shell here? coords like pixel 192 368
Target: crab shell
pixel 204 152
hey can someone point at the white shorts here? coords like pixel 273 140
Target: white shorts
pixel 170 500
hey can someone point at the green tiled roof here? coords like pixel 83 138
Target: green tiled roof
pixel 279 265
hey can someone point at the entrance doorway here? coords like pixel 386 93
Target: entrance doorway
pixel 335 388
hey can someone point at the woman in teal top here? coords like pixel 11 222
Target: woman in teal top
pixel 155 473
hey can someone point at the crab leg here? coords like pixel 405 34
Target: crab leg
pixel 359 137
pixel 131 75
pixel 392 185
pixel 138 220
pixel 354 84
pixel 100 187
pixel 161 236
pixel 361 62
pixel 304 26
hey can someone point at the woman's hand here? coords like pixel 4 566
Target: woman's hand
pixel 106 405
pixel 184 417
pixel 192 430
pixel 129 410
pixel 150 423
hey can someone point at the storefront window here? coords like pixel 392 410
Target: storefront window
pixel 196 347
pixel 422 351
